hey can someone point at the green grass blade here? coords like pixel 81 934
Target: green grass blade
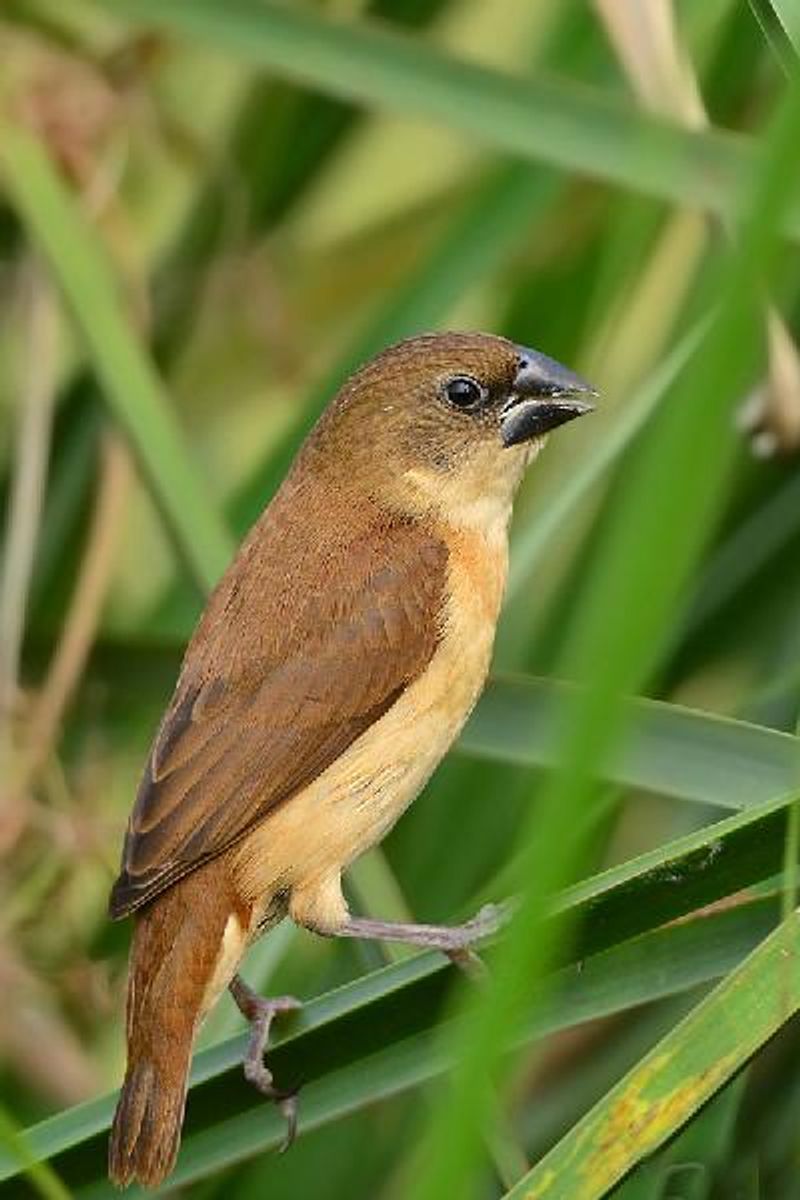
pixel 774 34
pixel 667 749
pixel 687 1067
pixel 680 877
pixel 128 379
pixel 567 125
pixel 544 523
pixel 788 14
pixel 41 1176
pixel 662 520
pixel 350 1072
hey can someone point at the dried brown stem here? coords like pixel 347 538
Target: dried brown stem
pixel 84 611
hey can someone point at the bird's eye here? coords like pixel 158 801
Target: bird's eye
pixel 463 392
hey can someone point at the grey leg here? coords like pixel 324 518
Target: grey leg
pixel 261 1013
pixel 451 939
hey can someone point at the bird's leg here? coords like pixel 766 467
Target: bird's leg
pixel 453 940
pixel 260 1012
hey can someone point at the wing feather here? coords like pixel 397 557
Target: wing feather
pixel 245 733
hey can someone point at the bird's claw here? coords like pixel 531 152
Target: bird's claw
pixel 286 1102
pixel 260 1012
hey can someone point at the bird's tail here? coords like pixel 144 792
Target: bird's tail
pixel 146 1132
pixel 186 947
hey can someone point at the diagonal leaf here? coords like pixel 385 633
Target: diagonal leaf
pixel 671 1083
pixel 788 14
pixel 542 526
pixel 40 1175
pixel 667 749
pixel 780 23
pixel 126 374
pixel 570 126
pixel 746 552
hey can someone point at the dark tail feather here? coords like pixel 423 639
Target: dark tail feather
pixel 146 1132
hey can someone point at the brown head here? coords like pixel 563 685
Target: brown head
pixel 449 420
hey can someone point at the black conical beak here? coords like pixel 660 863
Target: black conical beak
pixel 544 396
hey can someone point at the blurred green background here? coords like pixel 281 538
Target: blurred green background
pixel 209 213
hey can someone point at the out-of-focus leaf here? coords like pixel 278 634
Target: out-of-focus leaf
pixel 646 41
pixel 569 126
pixel 780 22
pixel 764 533
pixel 126 375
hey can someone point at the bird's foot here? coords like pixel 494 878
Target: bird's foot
pixel 261 1012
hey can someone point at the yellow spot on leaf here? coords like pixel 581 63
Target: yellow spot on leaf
pixel 637 1123
pixel 542 1186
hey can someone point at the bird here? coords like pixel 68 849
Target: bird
pixel 334 665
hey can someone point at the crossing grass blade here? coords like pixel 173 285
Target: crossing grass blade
pixel 39 1175
pixel 567 125
pixel 671 1083
pixel 406 997
pixel 667 749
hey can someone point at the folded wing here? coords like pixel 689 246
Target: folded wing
pixel 251 729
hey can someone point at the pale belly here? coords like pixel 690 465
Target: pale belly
pixel 303 847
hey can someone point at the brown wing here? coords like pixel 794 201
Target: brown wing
pixel 245 734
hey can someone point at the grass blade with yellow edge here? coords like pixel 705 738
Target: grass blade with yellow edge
pixel 684 1070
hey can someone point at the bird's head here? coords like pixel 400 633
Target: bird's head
pixel 452 419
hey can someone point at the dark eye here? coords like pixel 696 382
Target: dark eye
pixel 463 392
